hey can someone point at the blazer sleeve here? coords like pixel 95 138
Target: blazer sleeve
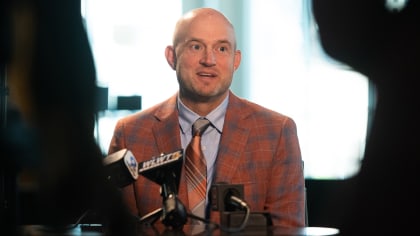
pixel 286 199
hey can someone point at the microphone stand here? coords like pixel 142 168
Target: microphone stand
pixel 173 212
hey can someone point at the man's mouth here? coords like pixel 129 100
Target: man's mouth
pixel 203 74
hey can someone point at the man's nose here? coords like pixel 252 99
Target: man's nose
pixel 209 58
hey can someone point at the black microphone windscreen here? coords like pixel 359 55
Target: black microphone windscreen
pixel 121 168
pixel 163 169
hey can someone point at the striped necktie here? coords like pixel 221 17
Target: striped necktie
pixel 196 170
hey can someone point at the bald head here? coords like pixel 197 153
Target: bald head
pixel 205 57
pixel 202 18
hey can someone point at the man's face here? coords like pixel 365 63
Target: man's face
pixel 206 58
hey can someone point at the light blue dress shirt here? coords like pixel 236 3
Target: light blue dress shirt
pixel 210 138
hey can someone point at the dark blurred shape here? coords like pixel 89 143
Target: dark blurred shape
pixel 52 88
pixel 102 99
pixel 128 102
pixel 384 45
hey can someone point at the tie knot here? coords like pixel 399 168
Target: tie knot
pixel 199 126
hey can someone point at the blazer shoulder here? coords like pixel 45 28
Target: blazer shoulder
pixel 251 109
pixel 158 111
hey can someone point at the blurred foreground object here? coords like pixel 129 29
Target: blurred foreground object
pixel 52 87
pixel 383 44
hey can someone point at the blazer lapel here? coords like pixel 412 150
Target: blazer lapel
pixel 234 138
pixel 166 129
pixel 166 132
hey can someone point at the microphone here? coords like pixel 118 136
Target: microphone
pixel 123 169
pixel 164 170
pixel 227 197
pixel 234 211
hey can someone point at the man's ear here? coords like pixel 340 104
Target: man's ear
pixel 170 56
pixel 237 60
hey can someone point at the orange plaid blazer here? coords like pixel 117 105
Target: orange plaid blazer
pixel 259 148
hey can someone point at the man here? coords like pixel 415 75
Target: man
pixel 245 143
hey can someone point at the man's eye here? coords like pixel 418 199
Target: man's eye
pixel 222 49
pixel 196 47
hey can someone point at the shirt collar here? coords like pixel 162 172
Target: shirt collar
pixel 187 117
